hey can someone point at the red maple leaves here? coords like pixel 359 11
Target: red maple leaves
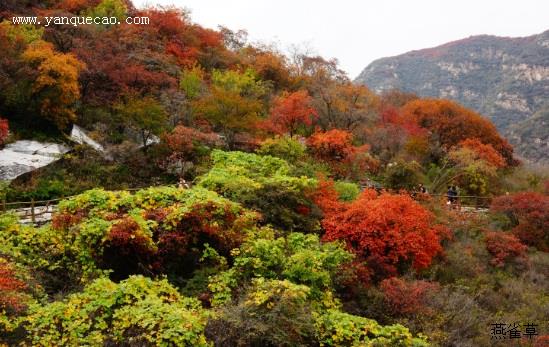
pixel 10 288
pixel 390 232
pixel 4 130
pixel 453 123
pixel 529 214
pixel 504 247
pixel 290 112
pixel 335 147
pixel 406 297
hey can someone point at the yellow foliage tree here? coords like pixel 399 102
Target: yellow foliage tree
pixel 55 87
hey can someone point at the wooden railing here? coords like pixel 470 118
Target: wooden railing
pixel 461 201
pixel 38 212
pixel 469 201
pixel 32 212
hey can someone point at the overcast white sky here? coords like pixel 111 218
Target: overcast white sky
pixel 356 32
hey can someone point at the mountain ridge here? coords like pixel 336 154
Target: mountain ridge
pixel 503 78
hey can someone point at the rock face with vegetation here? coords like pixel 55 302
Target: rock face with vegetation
pixel 506 79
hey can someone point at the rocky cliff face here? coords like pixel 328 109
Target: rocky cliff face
pixel 531 136
pixel 24 156
pixel 506 79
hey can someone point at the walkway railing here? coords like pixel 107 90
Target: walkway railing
pixel 38 212
pixel 468 201
pixel 32 212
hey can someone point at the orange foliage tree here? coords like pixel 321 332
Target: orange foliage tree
pixel 529 216
pixel 330 145
pixel 168 22
pixel 392 116
pixel 290 112
pixel 452 123
pixel 390 232
pixel 270 66
pixel 484 152
pixel 394 134
pixel 56 84
pixel 335 147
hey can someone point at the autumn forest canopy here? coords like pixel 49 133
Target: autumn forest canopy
pixel 279 204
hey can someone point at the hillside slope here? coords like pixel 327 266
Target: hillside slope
pixel 506 79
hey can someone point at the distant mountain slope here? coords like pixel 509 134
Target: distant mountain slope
pixel 531 136
pixel 506 79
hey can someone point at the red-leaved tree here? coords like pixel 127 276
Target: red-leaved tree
pixel 290 112
pixel 390 232
pixel 406 297
pixel 332 145
pixel 504 247
pixel 529 215
pixel 4 130
pixel 76 6
pixel 452 123
pixel 335 147
pixel 182 141
pixel 11 289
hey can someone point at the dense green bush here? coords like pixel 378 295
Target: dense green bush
pixel 282 313
pixel 18 290
pixel 52 256
pixel 271 313
pixel 157 230
pixel 336 328
pixel 137 311
pixel 297 257
pixel 347 191
pixel 403 175
pixel 270 290
pixel 266 184
pixel 280 292
pixel 287 148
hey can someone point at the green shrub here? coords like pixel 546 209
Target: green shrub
pixel 287 148
pixel 300 258
pixel 403 175
pixel 137 311
pixel 336 328
pixel 270 313
pixel 347 191
pixel 274 312
pixel 160 230
pixel 264 183
pixel 52 255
